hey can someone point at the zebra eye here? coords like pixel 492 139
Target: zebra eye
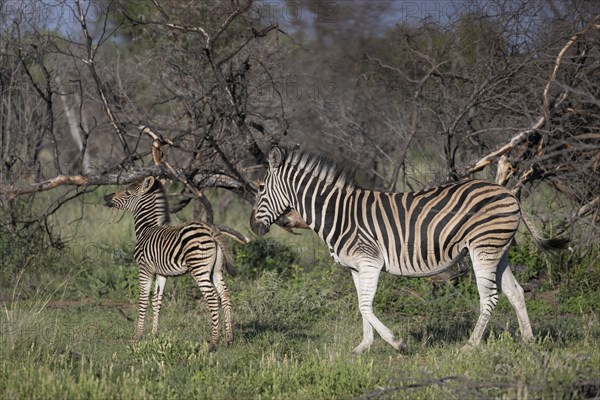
pixel 261 187
pixel 126 193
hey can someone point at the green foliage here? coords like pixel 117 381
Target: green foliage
pixel 528 256
pixel 118 273
pixel 85 352
pixel 165 351
pixel 577 276
pixel 22 244
pixel 264 255
pixel 580 289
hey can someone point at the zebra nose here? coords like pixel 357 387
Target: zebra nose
pixel 257 227
pixel 108 199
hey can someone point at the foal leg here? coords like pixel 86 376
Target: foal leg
pixel 202 277
pixel 159 289
pixel 224 297
pixel 145 286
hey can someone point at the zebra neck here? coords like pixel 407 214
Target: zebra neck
pixel 154 212
pixel 321 208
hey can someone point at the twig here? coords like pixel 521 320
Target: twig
pixel 91 53
pixel 125 315
pixel 549 110
pixel 237 12
pixel 559 58
pixel 157 143
pixel 413 124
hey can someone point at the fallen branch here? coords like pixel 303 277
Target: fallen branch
pixel 583 211
pixel 122 178
pixel 588 208
pixel 13 191
pixel 459 386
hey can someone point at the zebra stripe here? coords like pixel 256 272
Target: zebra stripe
pixel 162 251
pixel 412 234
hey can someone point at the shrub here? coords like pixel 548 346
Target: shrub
pixel 580 286
pixel 264 255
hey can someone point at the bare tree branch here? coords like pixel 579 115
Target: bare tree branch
pixel 592 25
pixel 90 62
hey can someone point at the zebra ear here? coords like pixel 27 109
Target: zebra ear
pixel 274 157
pixel 147 184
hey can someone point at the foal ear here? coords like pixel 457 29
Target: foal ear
pixel 147 184
pixel 274 157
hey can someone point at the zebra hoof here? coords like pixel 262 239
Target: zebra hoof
pixel 360 348
pixel 400 345
pixel 468 348
pixel 528 339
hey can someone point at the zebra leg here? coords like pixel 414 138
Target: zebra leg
pixel 202 278
pixel 485 276
pixel 367 339
pixel 145 286
pixel 223 292
pixel 368 277
pixel 514 293
pixel 157 301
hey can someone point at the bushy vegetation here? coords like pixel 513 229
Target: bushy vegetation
pixel 67 324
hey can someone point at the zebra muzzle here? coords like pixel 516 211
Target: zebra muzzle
pixel 257 227
pixel 108 199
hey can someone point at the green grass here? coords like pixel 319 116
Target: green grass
pixel 294 331
pixel 66 327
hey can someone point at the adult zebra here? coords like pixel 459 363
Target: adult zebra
pixel 412 234
pixel 162 250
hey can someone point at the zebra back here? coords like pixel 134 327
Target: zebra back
pixel 420 230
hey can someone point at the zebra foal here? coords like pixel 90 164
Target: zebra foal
pixel 162 250
pixel 412 234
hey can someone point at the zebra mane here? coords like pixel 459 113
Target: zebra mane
pixel 319 166
pixel 161 202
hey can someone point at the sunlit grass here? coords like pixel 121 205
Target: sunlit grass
pixel 85 351
pixel 67 325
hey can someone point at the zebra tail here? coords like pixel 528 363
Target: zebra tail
pixel 227 259
pixel 548 245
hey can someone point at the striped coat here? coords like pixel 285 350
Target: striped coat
pixel 411 234
pixel 163 251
